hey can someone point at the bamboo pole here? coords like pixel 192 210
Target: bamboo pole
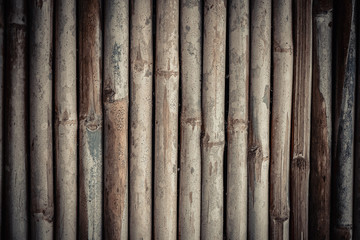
pixel 236 227
pixel 281 120
pixel 166 118
pixel 344 120
pixel 321 121
pixel 213 106
pixel 356 211
pixel 190 132
pixel 141 76
pixel 65 120
pixel 116 101
pixel 90 116
pixel 41 145
pixel 300 162
pixel 15 162
pixel 259 115
pixel 2 73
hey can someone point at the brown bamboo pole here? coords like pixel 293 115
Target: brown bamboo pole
pixel 282 48
pixel 300 162
pixel 259 115
pixel 141 77
pixel 65 120
pixel 2 73
pixel 236 227
pixel 321 121
pixel 16 159
pixel 90 117
pixel 116 101
pixel 41 145
pixel 166 118
pixel 190 132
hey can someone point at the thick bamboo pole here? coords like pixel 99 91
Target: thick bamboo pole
pixel 321 120
pixel 344 120
pixel 259 115
pixel 213 106
pixel 190 132
pixel 90 116
pixel 236 227
pixel 2 72
pixel 16 158
pixel 141 120
pixel 300 162
pixel 282 48
pixel 65 120
pixel 166 118
pixel 116 101
pixel 41 135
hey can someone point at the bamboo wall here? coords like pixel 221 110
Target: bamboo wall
pixel 179 119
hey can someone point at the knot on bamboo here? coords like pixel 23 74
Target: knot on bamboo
pixel 300 162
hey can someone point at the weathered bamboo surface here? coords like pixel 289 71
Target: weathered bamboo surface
pixel 321 111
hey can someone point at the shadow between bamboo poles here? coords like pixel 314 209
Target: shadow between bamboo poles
pixel 2 103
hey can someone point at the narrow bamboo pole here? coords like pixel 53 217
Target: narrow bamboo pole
pixel 190 132
pixel 344 120
pixel 65 120
pixel 116 101
pixel 2 72
pixel 282 47
pixel 300 162
pixel 321 120
pixel 16 158
pixel 141 55
pixel 166 118
pixel 356 211
pixel 41 135
pixel 259 115
pixel 90 117
pixel 236 227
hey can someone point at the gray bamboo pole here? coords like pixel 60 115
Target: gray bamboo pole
pixel 65 120
pixel 90 117
pixel 166 118
pixel 236 227
pixel 282 48
pixel 116 102
pixel 16 158
pixel 259 115
pixel 2 72
pixel 356 211
pixel 321 120
pixel 41 135
pixel 141 77
pixel 190 132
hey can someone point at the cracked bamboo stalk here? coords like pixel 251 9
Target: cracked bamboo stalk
pixel 190 156
pixel 236 227
pixel 41 135
pixel 259 115
pixel 282 48
pixel 116 101
pixel 321 120
pixel 166 118
pixel 2 73
pixel 15 161
pixel 300 161
pixel 344 120
pixel 91 119
pixel 213 106
pixel 65 120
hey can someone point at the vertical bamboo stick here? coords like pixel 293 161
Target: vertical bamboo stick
pixel 344 120
pixel 190 174
pixel 238 120
pixel 300 162
pixel 141 120
pixel 65 120
pixel 281 120
pixel 356 212
pixel 116 101
pixel 213 104
pixel 321 121
pixel 2 72
pixel 41 136
pixel 166 118
pixel 16 158
pixel 90 116
pixel 258 155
